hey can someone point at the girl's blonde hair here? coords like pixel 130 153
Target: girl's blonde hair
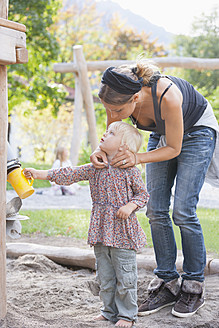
pixel 130 135
pixel 143 68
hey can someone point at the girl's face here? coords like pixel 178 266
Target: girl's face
pixel 110 142
pixel 120 112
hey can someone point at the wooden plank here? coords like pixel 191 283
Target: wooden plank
pixel 10 40
pixel 13 25
pixel 3 165
pixel 21 56
pixel 183 62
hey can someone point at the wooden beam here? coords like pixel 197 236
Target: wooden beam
pixel 162 62
pixel 10 41
pixel 3 166
pixel 12 25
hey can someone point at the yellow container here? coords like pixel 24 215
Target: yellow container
pixel 20 183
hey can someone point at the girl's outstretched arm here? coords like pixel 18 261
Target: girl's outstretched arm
pixel 36 174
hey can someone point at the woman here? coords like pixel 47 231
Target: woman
pixel 180 148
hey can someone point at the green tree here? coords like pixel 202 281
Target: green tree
pixel 204 43
pixel 125 42
pixel 33 81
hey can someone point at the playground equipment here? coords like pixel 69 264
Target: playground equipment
pixel 83 93
pixel 23 188
pixel 13 51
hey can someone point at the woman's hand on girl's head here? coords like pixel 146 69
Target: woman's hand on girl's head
pixel 124 158
pixel 98 159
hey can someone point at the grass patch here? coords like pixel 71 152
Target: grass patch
pixel 75 223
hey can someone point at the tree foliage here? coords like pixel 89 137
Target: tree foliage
pixel 125 42
pixel 32 81
pixel 204 43
pixel 53 28
pixel 82 24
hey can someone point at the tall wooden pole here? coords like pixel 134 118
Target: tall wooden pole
pixel 77 120
pixel 3 165
pixel 87 94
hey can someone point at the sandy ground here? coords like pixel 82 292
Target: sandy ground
pixel 41 293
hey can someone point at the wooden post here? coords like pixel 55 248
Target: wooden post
pixel 3 165
pixel 87 95
pixel 77 121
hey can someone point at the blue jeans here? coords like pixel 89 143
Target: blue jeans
pixel 188 170
pixel 117 275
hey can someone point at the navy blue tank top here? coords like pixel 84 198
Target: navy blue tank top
pixel 193 106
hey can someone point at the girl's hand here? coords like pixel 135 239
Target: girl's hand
pixel 30 173
pixel 126 210
pixel 36 174
pixel 98 159
pixel 124 158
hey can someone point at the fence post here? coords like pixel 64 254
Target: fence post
pixel 3 165
pixel 86 93
pixel 77 119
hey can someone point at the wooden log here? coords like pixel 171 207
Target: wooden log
pixel 87 95
pixel 212 266
pixel 12 25
pixel 85 258
pixel 3 166
pixel 77 121
pixel 10 41
pixel 162 62
pixel 71 256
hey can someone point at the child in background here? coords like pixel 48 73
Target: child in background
pixel 62 160
pixel 114 230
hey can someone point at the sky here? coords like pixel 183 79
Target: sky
pixel 176 16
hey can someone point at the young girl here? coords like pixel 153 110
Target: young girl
pixel 114 229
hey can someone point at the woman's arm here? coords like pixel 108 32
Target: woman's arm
pixel 171 112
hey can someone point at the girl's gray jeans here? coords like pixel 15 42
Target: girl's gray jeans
pixel 117 275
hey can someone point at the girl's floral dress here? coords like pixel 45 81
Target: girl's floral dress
pixel 110 189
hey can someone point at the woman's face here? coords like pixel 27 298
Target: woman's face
pixel 120 112
pixel 110 142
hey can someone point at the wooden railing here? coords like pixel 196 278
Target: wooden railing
pixel 162 62
pixel 83 93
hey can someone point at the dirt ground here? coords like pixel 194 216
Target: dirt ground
pixel 41 293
